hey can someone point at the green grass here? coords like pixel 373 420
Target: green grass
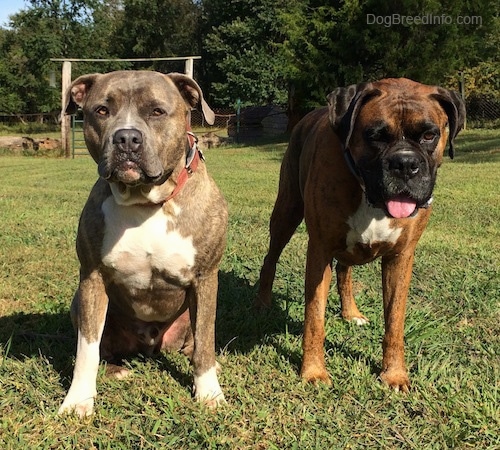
pixel 452 327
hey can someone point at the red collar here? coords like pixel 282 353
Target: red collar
pixel 192 159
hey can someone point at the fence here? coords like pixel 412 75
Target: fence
pixel 483 110
pixel 38 118
pixel 222 118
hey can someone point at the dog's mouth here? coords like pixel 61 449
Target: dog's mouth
pixel 128 173
pixel 131 174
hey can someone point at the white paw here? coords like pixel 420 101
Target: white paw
pixel 360 321
pixel 207 389
pixel 82 408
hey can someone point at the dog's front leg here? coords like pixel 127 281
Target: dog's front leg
pixel 348 305
pixel 396 277
pixel 91 308
pixel 203 306
pixel 318 278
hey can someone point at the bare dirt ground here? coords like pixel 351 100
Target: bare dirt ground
pixel 22 143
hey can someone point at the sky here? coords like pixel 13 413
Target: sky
pixel 8 7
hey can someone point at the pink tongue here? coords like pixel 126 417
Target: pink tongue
pixel 401 207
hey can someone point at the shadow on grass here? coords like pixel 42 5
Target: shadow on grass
pixel 478 146
pixel 49 335
pixel 240 329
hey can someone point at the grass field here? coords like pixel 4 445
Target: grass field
pixel 452 327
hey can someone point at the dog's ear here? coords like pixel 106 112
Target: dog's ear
pixel 76 93
pixel 192 94
pixel 344 104
pixel 454 107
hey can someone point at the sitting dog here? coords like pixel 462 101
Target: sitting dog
pixel 151 235
pixel 362 173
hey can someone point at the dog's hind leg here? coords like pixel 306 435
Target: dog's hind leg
pixel 349 308
pixel 287 214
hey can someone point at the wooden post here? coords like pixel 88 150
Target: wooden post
pixel 188 68
pixel 65 119
pixel 462 93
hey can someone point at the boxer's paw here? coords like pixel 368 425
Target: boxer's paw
pixel 315 374
pixel 263 302
pixel 355 316
pixel 359 320
pixel 396 379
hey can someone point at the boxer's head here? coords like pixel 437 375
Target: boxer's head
pixel 394 133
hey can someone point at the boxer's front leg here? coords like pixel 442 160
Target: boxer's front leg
pixel 318 278
pixel 348 305
pixel 396 277
pixel 91 308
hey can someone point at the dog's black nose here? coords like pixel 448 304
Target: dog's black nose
pixel 128 140
pixel 404 165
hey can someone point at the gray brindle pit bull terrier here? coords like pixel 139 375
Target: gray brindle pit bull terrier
pixel 151 235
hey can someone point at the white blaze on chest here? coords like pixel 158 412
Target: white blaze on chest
pixel 370 225
pixel 139 241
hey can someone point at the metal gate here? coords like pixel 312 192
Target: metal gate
pixel 77 141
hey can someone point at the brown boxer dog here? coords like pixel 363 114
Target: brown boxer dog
pixel 361 172
pixel 151 234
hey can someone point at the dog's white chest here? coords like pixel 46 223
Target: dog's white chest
pixel 140 241
pixel 369 226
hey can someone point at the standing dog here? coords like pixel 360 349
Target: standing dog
pixel 361 172
pixel 151 234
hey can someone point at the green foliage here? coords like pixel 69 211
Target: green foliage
pixel 162 28
pixel 241 51
pixel 328 46
pixel 260 51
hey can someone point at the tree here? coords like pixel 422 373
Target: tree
pixel 241 55
pixel 48 29
pixel 330 44
pixel 259 49
pixel 162 28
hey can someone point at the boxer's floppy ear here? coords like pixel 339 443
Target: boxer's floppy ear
pixel 338 102
pixel 454 108
pixel 192 94
pixel 77 92
pixel 344 104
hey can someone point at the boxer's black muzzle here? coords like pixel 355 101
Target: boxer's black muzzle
pixel 400 180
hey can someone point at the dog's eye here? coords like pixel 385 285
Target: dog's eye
pixel 102 111
pixel 427 137
pixel 157 112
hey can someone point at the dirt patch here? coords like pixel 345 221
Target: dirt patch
pixel 29 145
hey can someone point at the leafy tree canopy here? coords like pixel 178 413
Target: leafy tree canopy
pixel 259 51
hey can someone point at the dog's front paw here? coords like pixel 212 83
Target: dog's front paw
pixel 213 400
pixel 397 379
pixel 207 389
pixel 359 320
pixel 315 374
pixel 81 409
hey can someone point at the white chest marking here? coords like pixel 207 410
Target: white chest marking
pixel 368 226
pixel 139 241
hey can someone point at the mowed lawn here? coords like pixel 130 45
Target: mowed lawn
pixel 452 326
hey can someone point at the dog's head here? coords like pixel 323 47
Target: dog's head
pixel 135 122
pixel 394 133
